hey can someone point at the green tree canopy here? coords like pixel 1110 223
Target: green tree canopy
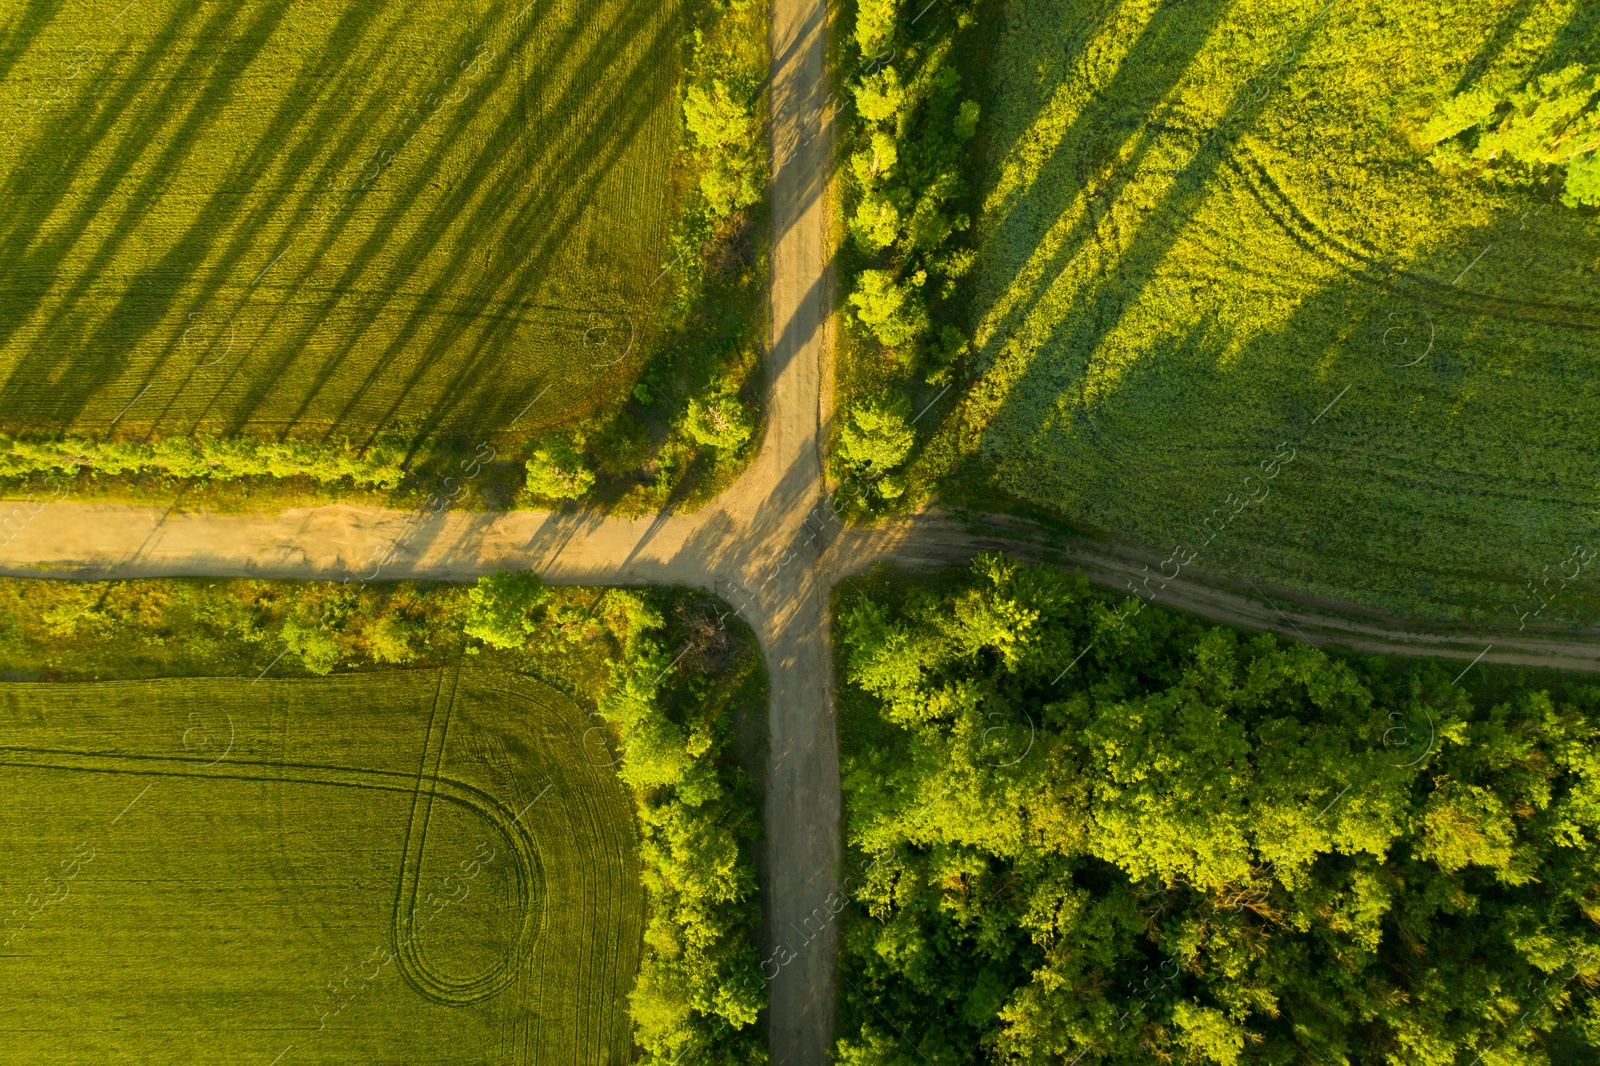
pixel 556 471
pixel 878 436
pixel 892 310
pixel 1084 834
pixel 502 607
pixel 720 116
pixel 718 421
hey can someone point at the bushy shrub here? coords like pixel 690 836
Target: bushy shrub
pixel 313 644
pixel 966 125
pixel 874 24
pixel 880 96
pixel 393 638
pixel 876 222
pixel 1521 135
pixel 1583 181
pixel 893 311
pixel 556 471
pixel 502 605
pixel 877 436
pixel 622 447
pixel 718 421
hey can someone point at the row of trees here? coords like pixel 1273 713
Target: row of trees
pixel 718 422
pixel 695 1001
pixel 211 458
pixel 1084 839
pixel 905 188
pixel 723 164
pixel 910 124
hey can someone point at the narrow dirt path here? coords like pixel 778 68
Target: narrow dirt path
pixel 751 547
pixel 936 539
pixel 761 547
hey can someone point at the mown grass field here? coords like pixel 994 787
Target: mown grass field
pixel 419 866
pixel 1200 225
pixel 330 219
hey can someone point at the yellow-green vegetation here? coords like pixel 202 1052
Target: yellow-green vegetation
pixel 420 863
pixel 331 223
pixel 1077 834
pixel 370 821
pixel 1199 226
pixel 910 122
pixel 699 991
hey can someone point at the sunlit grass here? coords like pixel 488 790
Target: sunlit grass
pixel 328 219
pixel 1203 223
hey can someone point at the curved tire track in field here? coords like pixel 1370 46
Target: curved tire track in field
pixel 427 980
pixel 755 546
pixel 1366 265
pixel 529 876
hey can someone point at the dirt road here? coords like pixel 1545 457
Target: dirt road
pixel 751 547
pixel 760 546
pixel 936 539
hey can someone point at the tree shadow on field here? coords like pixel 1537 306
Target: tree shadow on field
pixel 1072 26
pixel 489 198
pixel 74 362
pixel 1100 309
pixel 1087 154
pixel 1578 41
pixel 158 285
pixel 239 261
pixel 18 35
pixel 41 181
pixel 1439 417
pixel 1504 32
pixel 433 365
pixel 480 197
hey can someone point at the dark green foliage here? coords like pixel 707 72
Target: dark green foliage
pixel 694 1000
pixel 1079 834
pixel 622 446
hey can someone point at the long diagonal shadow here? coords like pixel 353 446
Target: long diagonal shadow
pixel 444 357
pixel 211 221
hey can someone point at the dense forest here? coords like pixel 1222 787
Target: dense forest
pixel 1082 834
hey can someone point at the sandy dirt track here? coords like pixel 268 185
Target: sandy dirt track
pixel 766 546
pixel 752 547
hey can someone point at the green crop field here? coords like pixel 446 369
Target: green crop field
pixel 327 218
pixel 419 866
pixel 1232 294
